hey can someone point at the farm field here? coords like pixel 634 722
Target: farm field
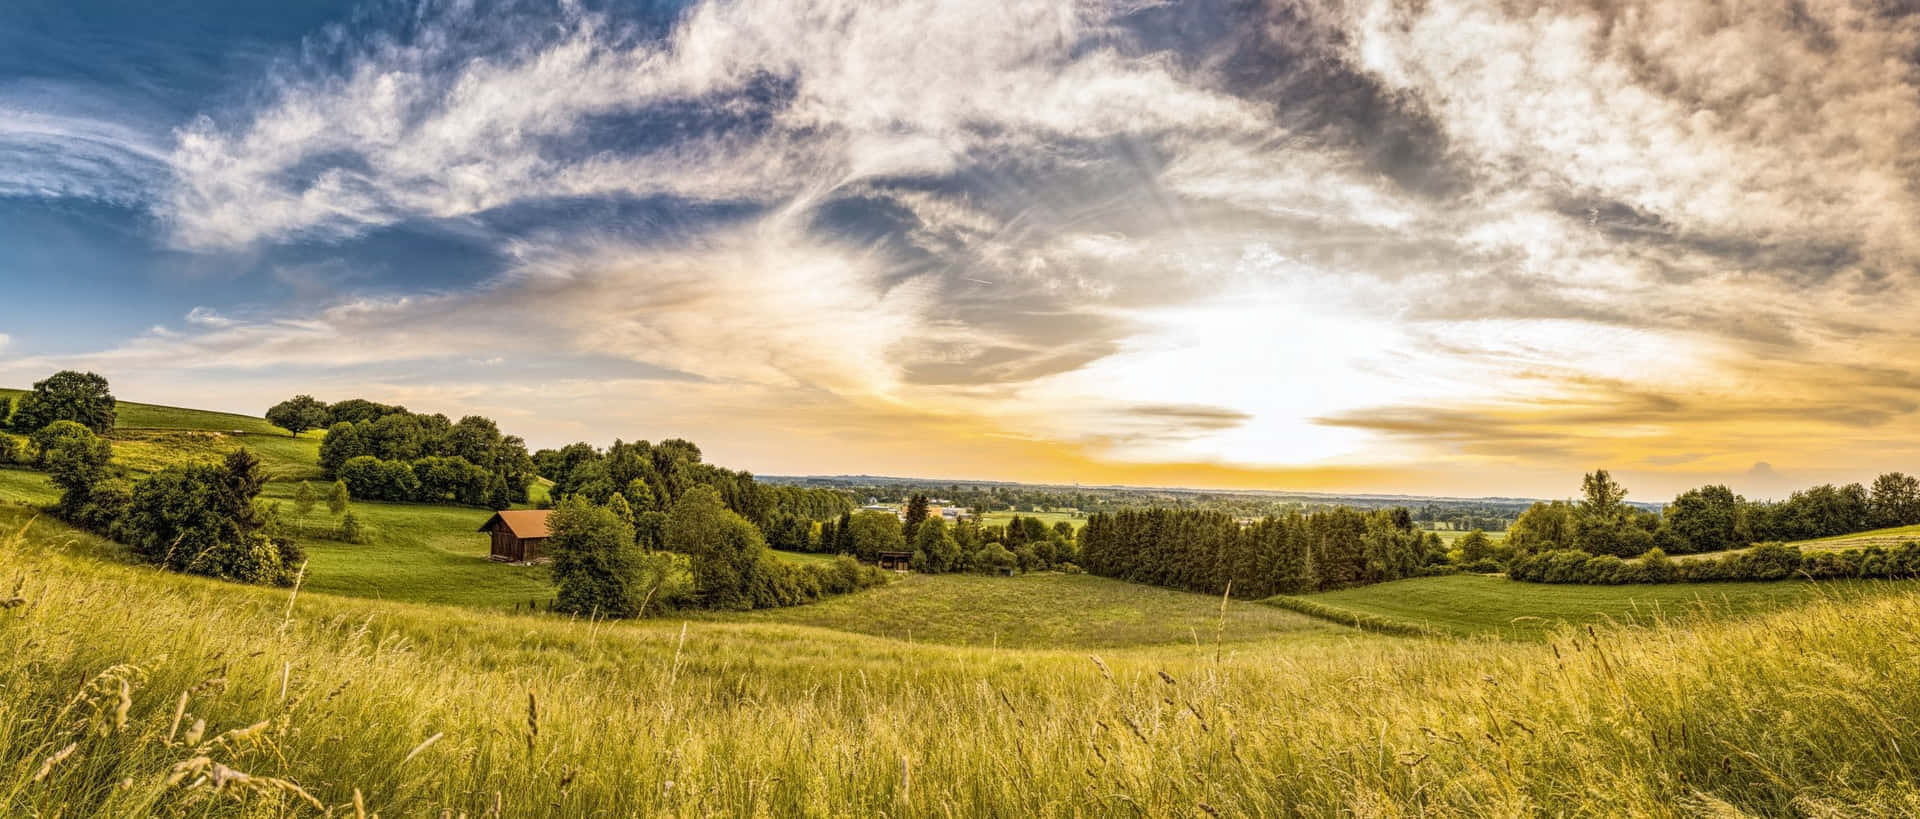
pixel 1048 518
pixel 411 670
pixel 1883 538
pixel 1046 610
pixel 415 709
pixel 1475 605
pixel 1451 536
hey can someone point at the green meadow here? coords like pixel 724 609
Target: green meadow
pixel 408 676
pixel 1481 605
pixel 1048 518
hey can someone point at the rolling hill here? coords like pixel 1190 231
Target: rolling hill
pixel 408 676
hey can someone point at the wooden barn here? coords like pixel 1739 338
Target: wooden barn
pixel 519 535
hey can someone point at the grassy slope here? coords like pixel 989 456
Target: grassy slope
pixel 1039 610
pixel 419 553
pixel 1452 536
pixel 1048 518
pixel 1477 604
pixel 427 708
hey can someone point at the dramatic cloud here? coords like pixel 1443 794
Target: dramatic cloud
pixel 1452 245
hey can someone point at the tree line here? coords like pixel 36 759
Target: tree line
pixel 1213 552
pixel 1767 561
pixel 384 452
pixel 934 546
pixel 1709 518
pixel 697 554
pixel 653 477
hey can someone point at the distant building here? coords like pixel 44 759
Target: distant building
pixel 519 535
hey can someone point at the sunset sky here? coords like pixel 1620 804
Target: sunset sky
pixel 1459 247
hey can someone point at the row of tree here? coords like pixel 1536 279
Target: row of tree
pixel 1709 518
pixel 652 477
pixel 1767 561
pixel 396 455
pixel 198 518
pixel 608 562
pixel 1212 551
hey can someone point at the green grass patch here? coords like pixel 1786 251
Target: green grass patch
pixel 417 553
pixel 1042 610
pixel 1452 536
pixel 1478 604
pixel 25 486
pixel 1048 518
pixel 117 675
pixel 802 558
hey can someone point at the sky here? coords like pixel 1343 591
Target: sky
pixel 1461 247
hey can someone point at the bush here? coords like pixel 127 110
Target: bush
pixel 350 529
pixel 1767 561
pixel 200 519
pixel 369 478
pixel 9 450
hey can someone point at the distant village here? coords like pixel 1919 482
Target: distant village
pixel 936 508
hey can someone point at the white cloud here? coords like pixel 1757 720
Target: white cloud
pixel 1772 121
pixel 873 93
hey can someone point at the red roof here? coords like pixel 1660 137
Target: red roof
pixel 523 523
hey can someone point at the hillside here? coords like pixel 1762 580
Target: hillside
pixel 416 709
pixel 1478 605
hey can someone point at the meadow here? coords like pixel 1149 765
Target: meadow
pixel 1049 518
pixel 138 693
pixel 407 676
pixel 1482 605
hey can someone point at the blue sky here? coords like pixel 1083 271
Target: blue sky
pixel 1461 245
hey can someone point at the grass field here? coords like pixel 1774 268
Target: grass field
pixel 1451 536
pixel 1040 611
pixel 401 675
pixel 132 692
pixel 1469 605
pixel 1048 518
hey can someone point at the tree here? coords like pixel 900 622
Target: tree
pixel 82 398
pixel 726 552
pixel 200 519
pixel 619 507
pixel 1475 547
pixel 342 443
pixel 1894 500
pixel 304 499
pixel 337 497
pixel 350 529
pixel 916 514
pixel 595 561
pixel 941 552
pixel 1543 527
pixel 1603 495
pixel 872 532
pixel 80 465
pixel 1707 519
pixel 299 414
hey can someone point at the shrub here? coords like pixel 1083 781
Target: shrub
pixel 1605 569
pixel 370 478
pixel 200 519
pixel 350 529
pixel 9 450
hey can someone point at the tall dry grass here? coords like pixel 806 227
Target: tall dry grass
pixel 134 693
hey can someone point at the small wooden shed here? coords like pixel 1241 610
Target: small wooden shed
pixel 519 535
pixel 896 561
